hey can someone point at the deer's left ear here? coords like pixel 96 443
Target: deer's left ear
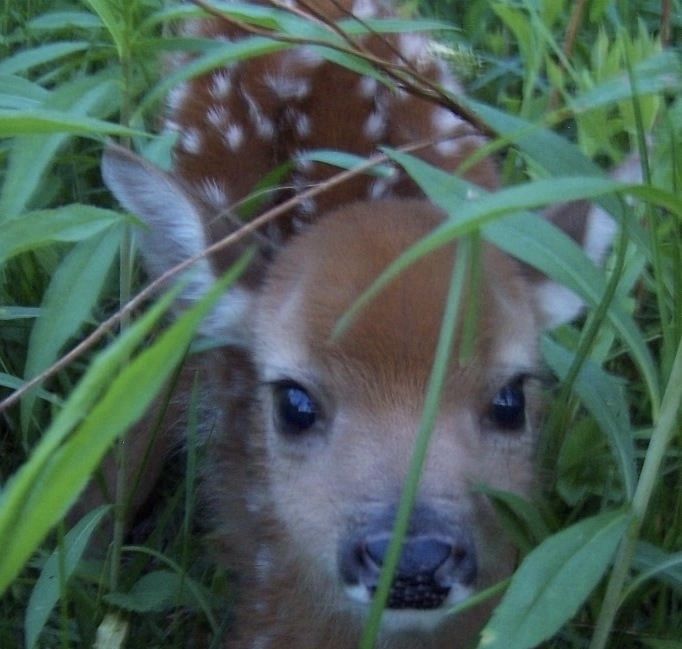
pixel 594 230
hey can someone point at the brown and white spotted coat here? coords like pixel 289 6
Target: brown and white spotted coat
pixel 309 436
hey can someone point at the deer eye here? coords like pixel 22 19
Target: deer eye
pixel 508 407
pixel 296 410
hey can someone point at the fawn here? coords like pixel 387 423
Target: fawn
pixel 310 435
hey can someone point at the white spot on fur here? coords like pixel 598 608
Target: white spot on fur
pixel 415 48
pixel 234 136
pixel 192 28
pixel 445 121
pixel 177 96
pixel 364 8
pixel 308 206
pixel 190 140
pixel 286 87
pixel 221 84
pixel 307 56
pixel 450 147
pixel 298 224
pixel 378 189
pixel 302 124
pixel 171 125
pixel 264 126
pixel 217 116
pixel 213 193
pixel 368 87
pixel 374 126
pixel 447 80
pixel 301 162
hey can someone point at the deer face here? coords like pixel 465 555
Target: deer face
pixel 340 415
pixel 336 418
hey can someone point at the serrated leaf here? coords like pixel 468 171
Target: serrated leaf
pixel 46 592
pixel 553 581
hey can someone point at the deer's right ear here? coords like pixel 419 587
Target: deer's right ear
pixel 175 233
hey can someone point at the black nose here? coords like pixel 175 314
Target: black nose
pixel 429 566
pixel 421 556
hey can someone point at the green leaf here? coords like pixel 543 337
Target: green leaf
pixel 156 591
pixel 520 518
pixel 55 20
pixel 344 160
pixel 67 303
pixel 32 122
pixel 46 592
pixel 69 223
pixel 18 312
pixel 552 583
pixel 27 59
pixel 19 94
pixel 604 396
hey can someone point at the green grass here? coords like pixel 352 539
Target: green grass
pixel 610 515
